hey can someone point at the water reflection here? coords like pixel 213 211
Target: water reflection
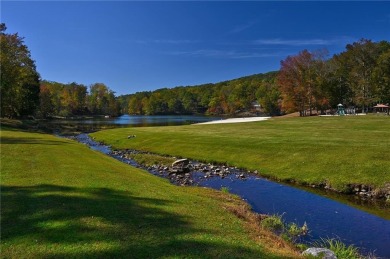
pixel 137 120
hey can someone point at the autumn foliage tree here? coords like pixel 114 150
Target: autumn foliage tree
pixel 102 100
pixel 57 99
pixel 295 84
pixel 300 81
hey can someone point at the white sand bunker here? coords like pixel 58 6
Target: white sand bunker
pixel 235 120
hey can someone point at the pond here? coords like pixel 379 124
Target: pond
pixel 135 121
pixel 326 218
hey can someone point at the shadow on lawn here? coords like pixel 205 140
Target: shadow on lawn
pixel 16 140
pixel 100 223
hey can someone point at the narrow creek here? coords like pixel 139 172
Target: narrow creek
pixel 326 218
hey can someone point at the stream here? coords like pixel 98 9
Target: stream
pixel 325 218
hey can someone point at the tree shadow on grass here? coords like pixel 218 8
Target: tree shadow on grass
pixel 17 140
pixel 53 221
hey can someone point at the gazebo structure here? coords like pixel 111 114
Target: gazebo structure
pixel 382 108
pixel 340 110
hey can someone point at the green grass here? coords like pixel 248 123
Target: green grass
pixel 314 150
pixel 61 199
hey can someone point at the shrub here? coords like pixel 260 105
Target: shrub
pixel 290 232
pixel 273 222
pixel 225 189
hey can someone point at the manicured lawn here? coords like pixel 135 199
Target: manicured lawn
pixel 61 199
pixel 312 150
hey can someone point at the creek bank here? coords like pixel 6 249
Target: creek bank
pixel 185 177
pixel 325 217
pixel 360 191
pixel 182 172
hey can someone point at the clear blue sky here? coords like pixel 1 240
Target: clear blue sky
pixel 138 46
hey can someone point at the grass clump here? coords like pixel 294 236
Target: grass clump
pixel 288 231
pixel 225 189
pixel 273 222
pixel 341 250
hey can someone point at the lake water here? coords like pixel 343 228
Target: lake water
pixel 137 121
pixel 326 218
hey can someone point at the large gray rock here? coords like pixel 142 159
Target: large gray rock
pixel 180 166
pixel 323 252
pixel 181 162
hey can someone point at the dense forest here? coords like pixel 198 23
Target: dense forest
pixel 65 100
pixel 308 82
pixel 228 97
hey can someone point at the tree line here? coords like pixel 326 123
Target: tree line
pixel 56 99
pixel 228 97
pixel 24 94
pixel 309 81
pixel 306 82
pixel 358 77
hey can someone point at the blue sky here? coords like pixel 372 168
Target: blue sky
pixel 138 46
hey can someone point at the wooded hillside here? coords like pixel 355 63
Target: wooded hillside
pixel 309 81
pixel 359 77
pixel 228 97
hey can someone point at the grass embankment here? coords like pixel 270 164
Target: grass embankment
pixel 61 199
pixel 336 151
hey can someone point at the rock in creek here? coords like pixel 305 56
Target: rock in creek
pixel 181 162
pixel 180 166
pixel 324 253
